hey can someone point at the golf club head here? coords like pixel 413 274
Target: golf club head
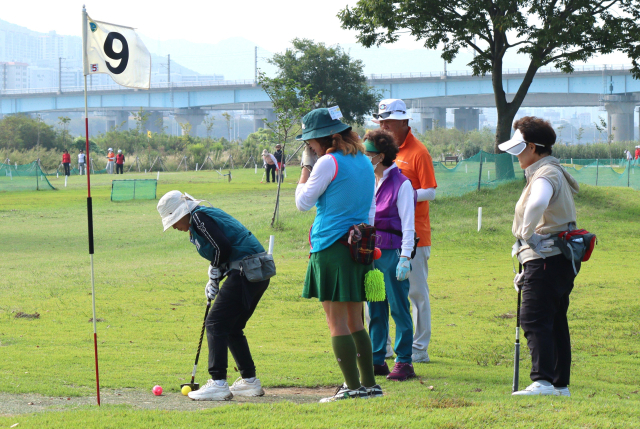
pixel 193 386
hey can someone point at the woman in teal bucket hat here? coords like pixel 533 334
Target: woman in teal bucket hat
pixel 340 184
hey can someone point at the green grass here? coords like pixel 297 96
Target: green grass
pixel 150 293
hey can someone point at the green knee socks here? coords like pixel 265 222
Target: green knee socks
pixel 344 349
pixel 365 357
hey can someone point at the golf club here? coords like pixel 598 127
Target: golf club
pixel 192 385
pixel 516 359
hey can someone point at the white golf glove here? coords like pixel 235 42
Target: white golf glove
pixel 540 244
pixel 518 281
pixel 403 269
pixel 213 286
pixel 309 158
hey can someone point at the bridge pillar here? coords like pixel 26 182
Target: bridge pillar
pixel 117 117
pixel 466 119
pixel 431 117
pixel 620 111
pixel 155 122
pixel 192 116
pixel 259 117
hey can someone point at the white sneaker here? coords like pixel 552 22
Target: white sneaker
pixel 420 356
pixel 242 387
pixel 343 392
pixel 561 391
pixel 536 388
pixel 212 392
pixel 389 353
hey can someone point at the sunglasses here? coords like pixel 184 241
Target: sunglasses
pixel 385 115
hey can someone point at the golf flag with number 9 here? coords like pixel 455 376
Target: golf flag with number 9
pixel 117 51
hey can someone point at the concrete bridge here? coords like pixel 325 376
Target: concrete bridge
pixel 429 94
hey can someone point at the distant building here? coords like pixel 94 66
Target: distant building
pixel 13 76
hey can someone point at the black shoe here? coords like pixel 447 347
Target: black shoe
pixel 375 391
pixel 343 392
pixel 381 369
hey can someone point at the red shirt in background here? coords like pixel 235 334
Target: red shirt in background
pixel 637 153
pixel 120 159
pixel 66 158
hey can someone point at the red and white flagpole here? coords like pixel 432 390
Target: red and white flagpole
pixel 89 204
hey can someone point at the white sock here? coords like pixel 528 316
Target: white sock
pixel 250 380
pixel 220 382
pixel 544 382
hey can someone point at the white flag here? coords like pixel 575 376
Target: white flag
pixel 116 51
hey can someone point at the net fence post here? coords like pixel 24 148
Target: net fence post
pixel 480 173
pixel 597 170
pixel 629 173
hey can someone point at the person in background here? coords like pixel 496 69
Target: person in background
pixel 340 184
pixel 414 161
pixel 545 207
pixel 224 242
pixel 279 156
pixel 82 162
pixel 637 154
pixel 120 162
pixel 395 210
pixel 270 164
pixel 66 162
pixel 110 160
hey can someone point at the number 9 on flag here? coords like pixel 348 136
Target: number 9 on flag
pixel 117 51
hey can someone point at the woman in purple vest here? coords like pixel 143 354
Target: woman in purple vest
pixel 395 211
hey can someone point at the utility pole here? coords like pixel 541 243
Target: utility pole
pixel 256 65
pixel 169 69
pixel 59 74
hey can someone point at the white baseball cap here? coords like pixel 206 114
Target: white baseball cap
pixel 174 205
pixel 119 150
pixel 110 149
pixel 516 145
pixel 391 108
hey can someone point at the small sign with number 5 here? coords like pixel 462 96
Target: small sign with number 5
pixel 94 68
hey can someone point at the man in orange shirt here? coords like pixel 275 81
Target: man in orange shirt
pixel 416 164
pixel 111 157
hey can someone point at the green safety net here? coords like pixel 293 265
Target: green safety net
pixel 487 170
pixel 135 189
pixel 27 177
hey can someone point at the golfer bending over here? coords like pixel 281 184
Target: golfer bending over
pixel 545 207
pixel 395 211
pixel 222 240
pixel 340 185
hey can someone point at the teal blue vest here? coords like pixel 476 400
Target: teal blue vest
pixel 243 243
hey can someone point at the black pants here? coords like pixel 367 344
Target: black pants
pixel 119 168
pixel 234 305
pixel 543 315
pixel 271 168
pixel 67 171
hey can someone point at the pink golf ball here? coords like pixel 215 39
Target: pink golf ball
pixel 157 390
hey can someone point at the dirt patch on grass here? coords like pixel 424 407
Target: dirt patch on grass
pixel 13 404
pixel 22 315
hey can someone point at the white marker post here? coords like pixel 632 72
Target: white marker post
pixel 65 181
pixel 196 166
pixel 479 218
pixel 158 176
pixel 271 240
pixel 256 168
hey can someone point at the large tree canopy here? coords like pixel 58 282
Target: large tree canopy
pixel 331 73
pixel 547 31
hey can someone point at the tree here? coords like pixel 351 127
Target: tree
pixel 579 134
pixel 63 121
pixel 141 117
pixel 209 122
pixel 227 116
pixel 547 31
pixel 331 73
pixel 290 103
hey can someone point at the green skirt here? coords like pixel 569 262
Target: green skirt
pixel 333 276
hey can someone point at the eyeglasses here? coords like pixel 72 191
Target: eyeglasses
pixel 385 115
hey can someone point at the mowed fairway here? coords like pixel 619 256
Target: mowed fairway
pixel 150 302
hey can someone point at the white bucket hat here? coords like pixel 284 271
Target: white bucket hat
pixel 391 108
pixel 174 205
pixel 110 149
pixel 516 145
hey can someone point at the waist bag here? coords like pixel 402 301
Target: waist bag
pixel 576 245
pixel 258 267
pixel 361 241
pixel 416 240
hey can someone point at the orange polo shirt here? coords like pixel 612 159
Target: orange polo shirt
pixel 416 164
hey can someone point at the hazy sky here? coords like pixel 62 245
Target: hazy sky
pixel 271 24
